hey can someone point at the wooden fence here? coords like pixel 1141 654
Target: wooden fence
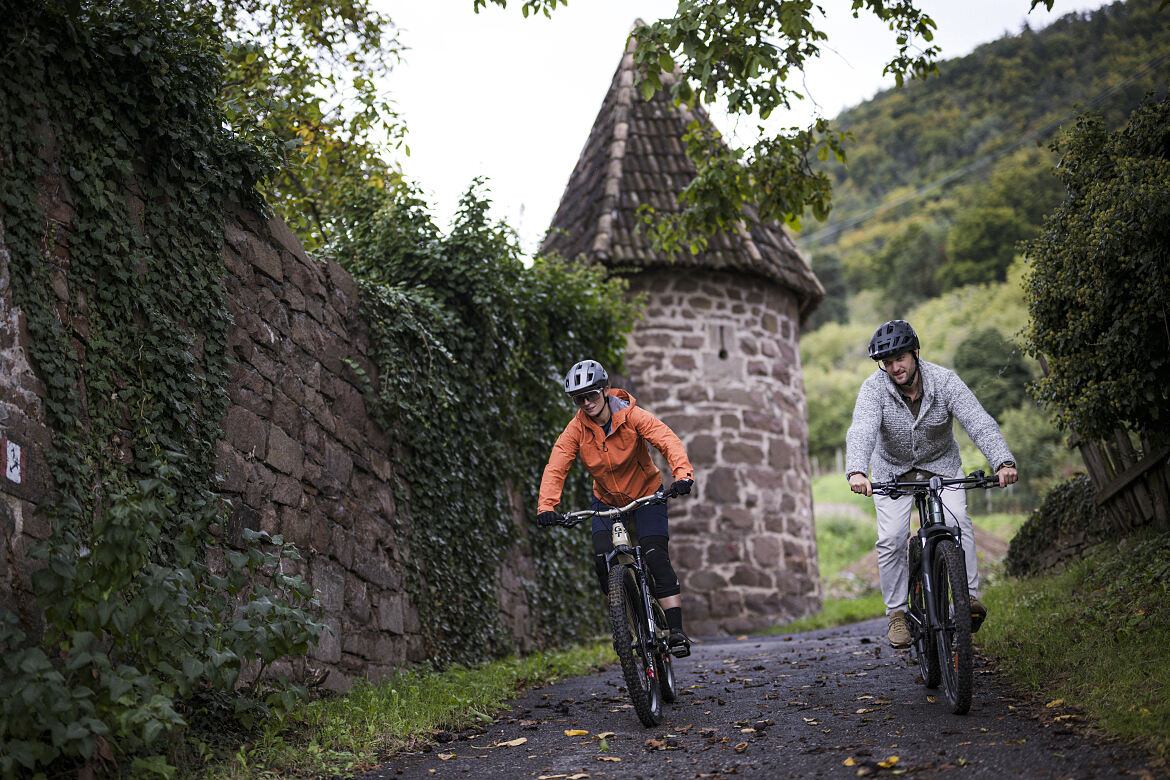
pixel 1132 479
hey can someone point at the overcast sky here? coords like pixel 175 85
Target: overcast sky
pixel 513 99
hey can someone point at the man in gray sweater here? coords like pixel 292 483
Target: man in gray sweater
pixel 903 428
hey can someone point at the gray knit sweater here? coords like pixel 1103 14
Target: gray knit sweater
pixel 885 441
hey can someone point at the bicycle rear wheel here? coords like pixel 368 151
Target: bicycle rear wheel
pixel 925 649
pixel 634 646
pixel 953 607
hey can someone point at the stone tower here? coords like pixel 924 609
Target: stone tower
pixel 715 356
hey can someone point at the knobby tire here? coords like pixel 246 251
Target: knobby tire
pixel 953 606
pixel 633 645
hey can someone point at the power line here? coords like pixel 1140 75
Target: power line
pixel 830 231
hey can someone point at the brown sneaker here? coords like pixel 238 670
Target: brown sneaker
pixel 899 634
pixel 978 614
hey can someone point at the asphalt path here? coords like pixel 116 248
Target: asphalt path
pixel 835 703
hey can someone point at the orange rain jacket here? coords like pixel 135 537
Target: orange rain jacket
pixel 619 462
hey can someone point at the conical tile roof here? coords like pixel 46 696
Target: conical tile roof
pixel 635 154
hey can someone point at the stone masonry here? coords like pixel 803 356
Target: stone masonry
pixel 718 361
pixel 299 455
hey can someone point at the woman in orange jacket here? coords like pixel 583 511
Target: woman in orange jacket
pixel 609 433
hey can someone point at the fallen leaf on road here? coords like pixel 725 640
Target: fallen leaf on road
pixel 575 732
pixel 741 747
pixel 740 638
pixel 864 710
pixel 446 756
pixel 654 744
pixel 849 762
pixel 509 743
pixel 889 762
pixel 605 734
pixel 608 758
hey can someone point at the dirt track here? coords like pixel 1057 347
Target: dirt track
pixel 833 703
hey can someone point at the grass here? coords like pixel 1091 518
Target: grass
pixel 836 612
pixel 834 489
pixel 352 732
pixel 841 541
pixel 1002 524
pixel 1095 636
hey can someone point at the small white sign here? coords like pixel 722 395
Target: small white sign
pixel 13 461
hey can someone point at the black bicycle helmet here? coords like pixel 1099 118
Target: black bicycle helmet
pixel 892 339
pixel 585 376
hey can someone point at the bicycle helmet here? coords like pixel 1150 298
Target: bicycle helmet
pixel 892 339
pixel 585 376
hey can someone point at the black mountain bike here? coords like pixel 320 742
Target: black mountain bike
pixel 636 620
pixel 939 615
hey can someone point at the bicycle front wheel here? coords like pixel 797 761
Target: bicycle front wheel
pixel 633 644
pixel 953 608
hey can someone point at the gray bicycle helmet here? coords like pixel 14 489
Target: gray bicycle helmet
pixel 892 339
pixel 585 376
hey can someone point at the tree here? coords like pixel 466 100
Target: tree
pixel 907 266
pixel 742 53
pixel 827 267
pixel 985 239
pixel 1100 279
pixel 982 245
pixel 301 76
pixel 994 369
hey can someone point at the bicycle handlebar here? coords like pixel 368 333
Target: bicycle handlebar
pixel 894 488
pixel 576 518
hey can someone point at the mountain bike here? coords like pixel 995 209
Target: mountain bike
pixel 637 621
pixel 939 611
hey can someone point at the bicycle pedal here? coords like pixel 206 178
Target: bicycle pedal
pixel 680 651
pixel 976 621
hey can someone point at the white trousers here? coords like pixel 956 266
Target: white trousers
pixel 896 520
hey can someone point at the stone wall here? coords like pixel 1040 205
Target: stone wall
pixel 716 357
pixel 23 437
pixel 299 454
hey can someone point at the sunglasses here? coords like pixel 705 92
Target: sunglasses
pixel 587 398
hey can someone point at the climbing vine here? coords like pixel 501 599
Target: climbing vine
pixel 470 345
pixel 148 620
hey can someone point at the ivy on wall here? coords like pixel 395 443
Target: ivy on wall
pixel 147 619
pixel 471 345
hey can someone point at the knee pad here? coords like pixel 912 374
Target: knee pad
pixel 654 550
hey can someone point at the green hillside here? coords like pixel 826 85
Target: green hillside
pixel 945 176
